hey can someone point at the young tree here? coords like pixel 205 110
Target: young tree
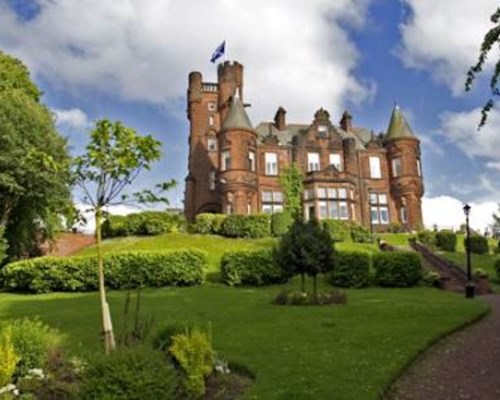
pixel 115 157
pixel 292 182
pixel 491 39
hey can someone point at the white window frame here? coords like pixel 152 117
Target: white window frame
pixel 212 106
pixel 271 163
pixel 419 167
pixel 313 162
pixel 375 167
pixel 323 131
pixel 251 160
pixel 397 167
pixel 212 143
pixel 211 179
pixel 403 214
pixel 211 120
pixel 226 160
pixel 336 160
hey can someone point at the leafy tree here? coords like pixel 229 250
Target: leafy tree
pixel 492 38
pixel 115 157
pixel 34 163
pixel 292 182
pixel 306 249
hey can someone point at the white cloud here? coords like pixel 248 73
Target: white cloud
pixel 74 118
pixel 297 54
pixel 493 165
pixel 446 212
pixel 443 37
pixel 86 211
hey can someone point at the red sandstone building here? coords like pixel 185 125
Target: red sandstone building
pixel 350 174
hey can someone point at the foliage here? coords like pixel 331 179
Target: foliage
pixel 9 358
pixel 360 234
pixel 396 227
pixel 193 352
pixel 432 278
pixel 480 273
pixel 3 246
pixel 144 223
pixel 340 231
pixel 478 244
pixel 497 267
pixel 130 373
pixel 491 39
pixel 427 238
pixel 210 223
pixel 292 182
pixel 34 165
pixel 351 269
pixel 247 226
pixel 446 240
pixel 252 268
pixel 495 226
pixel 299 298
pixel 397 269
pixel 125 270
pixel 280 223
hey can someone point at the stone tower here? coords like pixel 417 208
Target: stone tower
pixel 406 182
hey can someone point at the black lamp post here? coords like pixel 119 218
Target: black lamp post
pixel 469 286
pixel 370 212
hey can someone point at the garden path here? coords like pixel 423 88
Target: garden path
pixel 464 365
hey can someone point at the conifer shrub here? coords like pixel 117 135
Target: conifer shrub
pixel 397 269
pixel 478 244
pixel 446 240
pixel 351 269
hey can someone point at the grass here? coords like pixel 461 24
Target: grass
pixel 348 351
pixel 396 239
pixel 484 261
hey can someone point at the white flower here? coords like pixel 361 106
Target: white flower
pixel 8 388
pixel 15 392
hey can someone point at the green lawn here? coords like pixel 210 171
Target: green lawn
pixel 396 239
pixel 330 352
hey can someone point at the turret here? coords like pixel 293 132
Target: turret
pixel 230 79
pixel 403 153
pixel 280 119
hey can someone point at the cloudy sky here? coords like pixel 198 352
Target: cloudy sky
pixel 129 60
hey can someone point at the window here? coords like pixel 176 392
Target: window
pixel 211 180
pixel 419 167
pixel 271 163
pixel 312 162
pixel 403 215
pixel 331 203
pixel 396 167
pixel 379 211
pixel 272 202
pixel 251 160
pixel 336 161
pixel 249 207
pixel 226 160
pixel 212 143
pixel 211 120
pixel 322 131
pixel 375 171
pixel 212 106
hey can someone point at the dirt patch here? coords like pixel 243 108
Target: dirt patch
pixel 70 243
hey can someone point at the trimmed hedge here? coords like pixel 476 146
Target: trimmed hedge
pixel 122 270
pixel 397 269
pixel 446 240
pixel 248 226
pixel 340 231
pixel 207 223
pixel 360 234
pixel 351 269
pixel 253 268
pixel 427 238
pixel 144 223
pixel 478 244
pixel 280 223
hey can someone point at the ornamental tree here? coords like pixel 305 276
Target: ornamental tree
pixel 115 157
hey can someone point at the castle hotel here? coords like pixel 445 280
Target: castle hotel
pixel 349 173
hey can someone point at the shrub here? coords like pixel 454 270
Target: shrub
pixel 249 226
pixel 432 278
pixel 396 227
pixel 144 223
pixel 360 234
pixel 478 244
pixel 480 273
pixel 123 270
pixel 204 223
pixel 3 246
pixel 130 373
pixel 351 269
pixel 496 249
pixel 195 356
pixel 427 238
pixel 299 298
pixel 280 222
pixel 497 267
pixel 9 357
pixel 446 240
pixel 397 269
pixel 340 231
pixel 252 268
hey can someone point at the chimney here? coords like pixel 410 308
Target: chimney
pixel 346 121
pixel 280 119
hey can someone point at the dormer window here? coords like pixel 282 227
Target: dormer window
pixel 322 131
pixel 312 162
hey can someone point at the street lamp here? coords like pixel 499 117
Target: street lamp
pixel 469 286
pixel 370 212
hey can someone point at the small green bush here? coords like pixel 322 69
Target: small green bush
pixel 396 227
pixel 253 268
pixel 130 373
pixel 3 246
pixel 299 298
pixel 427 238
pixel 446 240
pixel 280 222
pixel 478 244
pixel 123 270
pixel 397 269
pixel 144 223
pixel 360 234
pixel 9 357
pixel 194 354
pixel 351 269
pixel 432 278
pixel 340 231
pixel 204 223
pixel 248 226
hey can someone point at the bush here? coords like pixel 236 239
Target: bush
pixel 280 222
pixel 397 269
pixel 351 269
pixel 396 227
pixel 3 246
pixel 204 223
pixel 496 249
pixel 360 234
pixel 9 357
pixel 144 223
pixel 195 356
pixel 432 278
pixel 249 226
pixel 252 268
pixel 427 238
pixel 478 244
pixel 130 373
pixel 340 231
pixel 299 298
pixel 123 270
pixel 497 267
pixel 480 273
pixel 446 240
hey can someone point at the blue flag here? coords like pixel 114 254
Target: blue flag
pixel 219 52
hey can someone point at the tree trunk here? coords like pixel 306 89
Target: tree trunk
pixel 107 327
pixel 303 283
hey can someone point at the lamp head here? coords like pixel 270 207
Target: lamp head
pixel 467 209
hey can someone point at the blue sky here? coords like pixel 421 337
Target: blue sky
pixel 129 60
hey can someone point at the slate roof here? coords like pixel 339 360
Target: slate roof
pixel 237 117
pixel 398 126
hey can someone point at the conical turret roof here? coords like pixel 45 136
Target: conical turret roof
pixel 398 126
pixel 237 117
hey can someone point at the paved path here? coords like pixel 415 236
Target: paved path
pixel 465 365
